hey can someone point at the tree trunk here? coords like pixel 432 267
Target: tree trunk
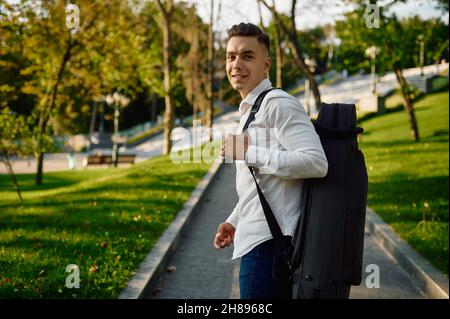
pixel 197 81
pixel 39 157
pixel 13 176
pixel 210 106
pixel 277 41
pixel 167 43
pixel 295 47
pixel 279 81
pixel 315 89
pixel 409 105
pixel 261 24
pixel 312 79
pixel 300 61
pixel 46 112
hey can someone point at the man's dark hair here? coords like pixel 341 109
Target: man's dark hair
pixel 249 30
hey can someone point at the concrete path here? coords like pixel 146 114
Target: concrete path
pixel 203 272
pixel 394 282
pixel 356 89
pixel 182 138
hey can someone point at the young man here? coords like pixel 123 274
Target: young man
pixel 283 148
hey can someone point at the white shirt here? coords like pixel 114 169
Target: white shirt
pixel 284 149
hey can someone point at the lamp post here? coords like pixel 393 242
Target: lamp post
pixel 421 53
pixel 372 53
pixel 98 100
pixel 118 101
pixel 311 64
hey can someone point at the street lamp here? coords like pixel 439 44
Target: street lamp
pixel 119 101
pixel 421 54
pixel 311 65
pixel 98 100
pixel 372 53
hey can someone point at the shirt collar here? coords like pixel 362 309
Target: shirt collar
pixel 250 99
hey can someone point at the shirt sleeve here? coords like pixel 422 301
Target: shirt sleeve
pixel 233 218
pixel 301 155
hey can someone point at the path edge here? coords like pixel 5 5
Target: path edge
pixel 153 265
pixel 431 281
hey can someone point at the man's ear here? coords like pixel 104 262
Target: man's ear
pixel 267 63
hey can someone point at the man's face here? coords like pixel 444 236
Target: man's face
pixel 247 63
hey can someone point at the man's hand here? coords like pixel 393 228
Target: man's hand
pixel 235 146
pixel 224 236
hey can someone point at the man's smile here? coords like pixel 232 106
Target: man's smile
pixel 238 76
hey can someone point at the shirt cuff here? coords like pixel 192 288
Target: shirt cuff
pixel 233 219
pixel 256 156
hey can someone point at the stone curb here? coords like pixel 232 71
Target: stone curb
pixel 153 265
pixel 432 282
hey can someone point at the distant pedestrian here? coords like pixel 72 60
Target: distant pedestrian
pixel 71 159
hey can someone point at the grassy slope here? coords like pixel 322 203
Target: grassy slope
pixel 104 220
pixel 409 181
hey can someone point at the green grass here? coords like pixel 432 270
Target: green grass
pixel 394 100
pixel 408 181
pixel 439 83
pixel 103 220
pixel 297 90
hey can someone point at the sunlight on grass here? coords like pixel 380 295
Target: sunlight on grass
pixel 105 221
pixel 408 181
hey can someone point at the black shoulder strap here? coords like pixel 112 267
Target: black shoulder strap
pixel 255 108
pixel 281 242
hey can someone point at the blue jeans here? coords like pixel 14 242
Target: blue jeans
pixel 264 274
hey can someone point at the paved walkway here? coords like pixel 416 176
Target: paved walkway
pixel 203 272
pixel 343 91
pixel 356 89
pixel 153 147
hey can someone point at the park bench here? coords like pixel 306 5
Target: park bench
pixel 100 159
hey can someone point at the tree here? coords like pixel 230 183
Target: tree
pixel 210 107
pixel 12 59
pixel 63 67
pixel 291 31
pixel 350 51
pixel 443 5
pixel 13 134
pixel 166 11
pixel 275 33
pixel 197 64
pixel 396 40
pixel 51 47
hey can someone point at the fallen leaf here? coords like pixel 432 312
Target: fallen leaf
pixel 156 291
pixel 93 269
pixel 171 269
